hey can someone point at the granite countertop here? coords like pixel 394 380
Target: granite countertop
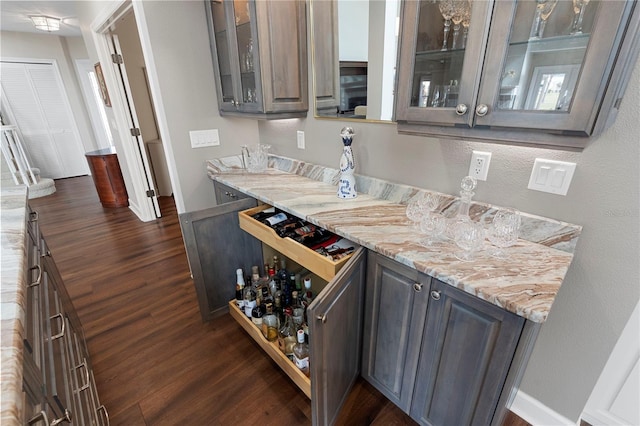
pixel 13 216
pixel 526 283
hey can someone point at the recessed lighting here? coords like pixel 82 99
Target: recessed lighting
pixel 46 23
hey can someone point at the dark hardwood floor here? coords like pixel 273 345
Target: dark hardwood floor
pixel 155 362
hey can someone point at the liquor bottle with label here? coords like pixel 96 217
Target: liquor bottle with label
pixel 297 310
pixel 275 219
pixel 257 313
pixel 239 289
pixel 287 335
pixel 301 353
pixel 277 310
pixel 282 272
pixel 270 324
pixel 249 297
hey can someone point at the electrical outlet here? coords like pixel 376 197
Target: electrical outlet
pixel 479 167
pixel 300 139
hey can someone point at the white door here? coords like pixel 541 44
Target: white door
pixel 34 99
pixel 136 136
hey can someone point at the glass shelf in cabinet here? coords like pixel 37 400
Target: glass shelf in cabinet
pixel 562 42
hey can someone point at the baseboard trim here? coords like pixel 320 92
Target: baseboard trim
pixel 536 413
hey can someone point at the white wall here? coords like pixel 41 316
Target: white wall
pixel 64 50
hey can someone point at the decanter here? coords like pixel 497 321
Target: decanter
pixel 467 185
pixel 347 182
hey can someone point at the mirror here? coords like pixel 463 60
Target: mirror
pixel 354 68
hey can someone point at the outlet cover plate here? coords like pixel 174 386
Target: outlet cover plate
pixel 300 139
pixel 479 166
pixel 551 176
pixel 202 138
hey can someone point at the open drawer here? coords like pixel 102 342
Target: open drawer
pixel 271 348
pixel 322 266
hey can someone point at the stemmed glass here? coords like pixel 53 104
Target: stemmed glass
pixel 503 231
pixel 416 209
pixel 465 26
pixel 469 236
pixel 578 12
pixel 432 224
pixel 447 11
pixel 544 8
pixel 460 10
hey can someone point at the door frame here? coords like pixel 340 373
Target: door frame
pixel 138 201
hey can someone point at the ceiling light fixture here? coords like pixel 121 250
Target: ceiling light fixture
pixel 46 23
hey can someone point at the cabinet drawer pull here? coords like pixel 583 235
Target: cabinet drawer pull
pixel 65 419
pixel 482 110
pixel 322 318
pixel 417 287
pixel 86 371
pixel 435 294
pixel 104 410
pixel 37 281
pixel 59 335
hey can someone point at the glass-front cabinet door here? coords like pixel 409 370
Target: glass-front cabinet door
pixel 545 63
pixel 447 40
pixel 237 61
pixel 512 70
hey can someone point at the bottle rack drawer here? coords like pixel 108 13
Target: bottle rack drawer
pixel 271 348
pixel 322 266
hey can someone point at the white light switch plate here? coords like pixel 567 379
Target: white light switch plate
pixel 202 138
pixel 551 176
pixel 300 139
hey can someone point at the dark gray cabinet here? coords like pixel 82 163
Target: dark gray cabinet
pixel 226 194
pixel 58 381
pixel 515 72
pixel 442 355
pixel 466 353
pixel 396 308
pixel 216 247
pixel 259 53
pixel 335 331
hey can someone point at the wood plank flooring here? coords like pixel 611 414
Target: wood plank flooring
pixel 155 362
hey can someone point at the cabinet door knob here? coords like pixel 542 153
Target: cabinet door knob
pixel 435 294
pixel 461 109
pixel 482 110
pixel 322 318
pixel 417 287
pixel 230 194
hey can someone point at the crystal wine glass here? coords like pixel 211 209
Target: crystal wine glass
pixel 578 12
pixel 416 209
pixel 466 19
pixel 469 236
pixel 544 8
pixel 460 9
pixel 433 226
pixel 447 10
pixel 503 231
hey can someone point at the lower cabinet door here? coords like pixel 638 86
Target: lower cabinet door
pixel 465 356
pixel 216 247
pixel 395 311
pixel 335 331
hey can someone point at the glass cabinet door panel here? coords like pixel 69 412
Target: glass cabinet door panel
pixel 448 38
pixel 545 61
pixel 222 48
pixel 246 51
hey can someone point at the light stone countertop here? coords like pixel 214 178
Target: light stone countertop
pixel 526 283
pixel 13 231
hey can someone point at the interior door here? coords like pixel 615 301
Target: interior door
pixel 34 99
pixel 134 125
pixel 335 330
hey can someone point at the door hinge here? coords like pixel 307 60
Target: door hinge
pixel 151 193
pixel 135 131
pixel 116 58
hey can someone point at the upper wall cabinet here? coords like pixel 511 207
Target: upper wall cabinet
pixel 538 72
pixel 260 57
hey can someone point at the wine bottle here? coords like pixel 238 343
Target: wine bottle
pixel 270 324
pixel 275 219
pixel 239 289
